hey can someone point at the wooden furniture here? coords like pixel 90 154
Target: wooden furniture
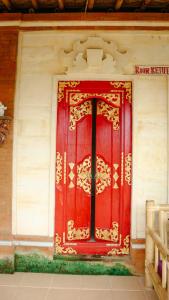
pixel 157 252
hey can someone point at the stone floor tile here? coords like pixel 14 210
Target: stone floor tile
pixel 28 293
pixel 36 280
pixel 151 295
pixel 141 281
pixel 67 281
pixel 129 283
pixel 61 294
pixel 128 295
pixel 11 279
pixel 96 282
pixel 96 295
pixel 8 292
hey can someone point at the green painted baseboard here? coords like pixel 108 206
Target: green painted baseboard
pixel 41 264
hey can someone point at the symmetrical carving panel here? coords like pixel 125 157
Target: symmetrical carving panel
pixel 103 175
pixel 111 113
pixel 108 234
pixel 76 233
pixel 95 55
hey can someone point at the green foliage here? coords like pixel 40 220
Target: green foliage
pixel 41 264
pixel 7 266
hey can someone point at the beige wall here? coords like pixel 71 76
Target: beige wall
pixel 41 62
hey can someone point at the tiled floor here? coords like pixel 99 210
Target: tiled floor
pixel 31 286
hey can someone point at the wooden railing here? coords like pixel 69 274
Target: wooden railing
pixel 157 252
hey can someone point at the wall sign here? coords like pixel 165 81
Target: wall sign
pixel 152 70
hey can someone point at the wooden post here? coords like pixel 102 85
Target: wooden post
pixel 161 215
pixel 164 273
pixel 149 249
pixel 156 258
pixel 167 280
pixel 161 224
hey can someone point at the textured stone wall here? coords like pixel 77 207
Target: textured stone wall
pixel 42 57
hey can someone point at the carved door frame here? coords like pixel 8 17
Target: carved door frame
pixel 81 78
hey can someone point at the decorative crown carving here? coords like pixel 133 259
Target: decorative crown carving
pixel 95 55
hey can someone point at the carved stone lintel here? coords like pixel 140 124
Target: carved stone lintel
pixel 95 55
pixel 4 128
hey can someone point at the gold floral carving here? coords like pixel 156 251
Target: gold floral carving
pixel 60 249
pixel 58 167
pixel 108 234
pixel 111 113
pixel 84 175
pixel 78 112
pixel 77 97
pixel 103 175
pixel 76 234
pixel 128 163
pixel 62 85
pixel 125 85
pixel 123 250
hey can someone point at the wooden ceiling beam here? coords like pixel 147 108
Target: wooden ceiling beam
pixel 118 4
pixel 90 4
pixel 61 4
pixel 34 4
pixel 145 4
pixel 7 4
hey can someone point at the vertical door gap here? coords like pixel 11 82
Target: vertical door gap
pixel 93 168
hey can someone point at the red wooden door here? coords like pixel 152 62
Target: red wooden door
pixel 93 156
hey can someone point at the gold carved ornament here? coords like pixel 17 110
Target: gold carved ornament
pixel 76 97
pixel 71 175
pixel 103 175
pixel 78 112
pixel 125 85
pixel 76 234
pixel 108 234
pixel 115 176
pixel 84 175
pixel 58 167
pixel 111 113
pixel 62 85
pixel 123 250
pixel 128 168
pixel 60 249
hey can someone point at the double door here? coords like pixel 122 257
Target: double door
pixel 93 167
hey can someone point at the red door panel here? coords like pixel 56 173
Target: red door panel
pixel 108 148
pixel 77 204
pixel 73 167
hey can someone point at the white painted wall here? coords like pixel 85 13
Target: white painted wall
pixel 39 61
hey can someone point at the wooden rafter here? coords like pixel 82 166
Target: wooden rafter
pixel 7 4
pixel 61 4
pixel 118 4
pixel 145 3
pixel 90 4
pixel 34 4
